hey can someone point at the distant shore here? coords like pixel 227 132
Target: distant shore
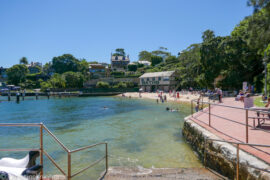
pixel 154 96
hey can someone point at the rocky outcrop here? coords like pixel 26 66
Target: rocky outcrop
pixel 221 156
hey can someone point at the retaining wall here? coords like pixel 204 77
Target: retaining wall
pixel 221 156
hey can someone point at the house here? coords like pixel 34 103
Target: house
pixel 145 63
pixel 98 70
pixel 34 67
pixel 119 63
pixel 154 81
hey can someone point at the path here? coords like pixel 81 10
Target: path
pixel 231 130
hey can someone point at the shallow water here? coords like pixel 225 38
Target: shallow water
pixel 139 132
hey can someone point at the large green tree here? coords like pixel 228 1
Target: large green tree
pixel 65 63
pixel 145 56
pixel 119 52
pixel 73 79
pixel 23 60
pixel 17 74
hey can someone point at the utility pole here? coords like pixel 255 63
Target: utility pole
pixel 265 73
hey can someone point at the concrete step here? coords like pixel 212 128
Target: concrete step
pixel 126 173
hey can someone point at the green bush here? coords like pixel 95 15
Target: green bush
pixel 102 84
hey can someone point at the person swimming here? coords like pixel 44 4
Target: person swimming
pixel 172 110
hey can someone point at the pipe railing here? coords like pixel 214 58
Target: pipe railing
pixel 206 140
pixel 68 175
pixel 247 110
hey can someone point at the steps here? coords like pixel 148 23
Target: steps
pixel 124 173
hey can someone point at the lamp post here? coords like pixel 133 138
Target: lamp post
pixel 265 71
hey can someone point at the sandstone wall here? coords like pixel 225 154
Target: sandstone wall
pixel 221 156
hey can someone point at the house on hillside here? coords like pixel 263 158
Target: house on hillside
pixel 145 63
pixel 34 67
pixel 98 70
pixel 164 81
pixel 119 63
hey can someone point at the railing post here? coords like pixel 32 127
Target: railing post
pixel 209 110
pixel 237 162
pixel 69 165
pixel 191 108
pixel 106 157
pixel 41 150
pixel 246 125
pixel 204 152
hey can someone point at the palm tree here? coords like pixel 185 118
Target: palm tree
pixel 23 60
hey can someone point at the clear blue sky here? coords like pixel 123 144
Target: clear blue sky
pixel 92 29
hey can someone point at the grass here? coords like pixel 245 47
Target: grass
pixel 258 102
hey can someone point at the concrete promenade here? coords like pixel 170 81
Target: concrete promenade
pixel 229 129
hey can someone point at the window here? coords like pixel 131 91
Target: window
pixel 153 78
pixel 166 79
pixel 147 79
pixel 159 78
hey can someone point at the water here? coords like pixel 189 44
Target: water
pixel 139 132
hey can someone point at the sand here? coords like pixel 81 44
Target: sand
pixel 154 96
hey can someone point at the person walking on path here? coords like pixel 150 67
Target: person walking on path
pixel 219 92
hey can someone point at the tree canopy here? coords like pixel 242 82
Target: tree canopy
pixel 23 60
pixel 17 74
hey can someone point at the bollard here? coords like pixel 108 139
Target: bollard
pixel 36 96
pixel 9 96
pixel 48 95
pixel 17 97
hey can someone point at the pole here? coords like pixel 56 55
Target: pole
pixel 69 166
pixel 265 73
pixel 106 157
pixel 209 110
pixel 246 125
pixel 41 150
pixel 237 162
pixel 191 108
pixel 204 152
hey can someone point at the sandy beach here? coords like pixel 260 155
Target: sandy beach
pixel 154 96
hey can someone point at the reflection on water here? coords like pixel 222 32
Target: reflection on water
pixel 139 132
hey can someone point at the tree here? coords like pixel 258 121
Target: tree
pixel 161 52
pixel 57 81
pixel 65 63
pixel 208 35
pixel 258 4
pixel 156 60
pixel 23 60
pixel 132 67
pixel 119 52
pixel 73 79
pixel 145 56
pixel 171 59
pixel 17 74
pixel 102 84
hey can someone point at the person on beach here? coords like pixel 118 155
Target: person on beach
pixel 165 98
pixel 157 101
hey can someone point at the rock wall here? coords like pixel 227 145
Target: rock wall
pixel 220 156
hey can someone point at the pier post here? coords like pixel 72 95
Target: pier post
pixel 9 95
pixel 36 96
pixel 17 97
pixel 48 95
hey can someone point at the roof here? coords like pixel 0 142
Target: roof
pixel 144 62
pixel 157 74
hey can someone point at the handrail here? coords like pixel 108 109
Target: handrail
pixel 56 139
pixel 69 152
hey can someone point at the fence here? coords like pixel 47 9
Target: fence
pixel 43 152
pixel 205 107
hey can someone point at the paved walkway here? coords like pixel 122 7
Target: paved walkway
pixel 230 128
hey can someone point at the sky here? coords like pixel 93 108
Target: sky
pixel 93 29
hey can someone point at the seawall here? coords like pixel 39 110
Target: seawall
pixel 222 156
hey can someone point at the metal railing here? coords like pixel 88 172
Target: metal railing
pixel 69 174
pixel 237 159
pixel 207 106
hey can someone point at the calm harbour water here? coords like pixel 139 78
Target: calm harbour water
pixel 139 132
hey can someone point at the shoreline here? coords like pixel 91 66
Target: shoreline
pixel 184 98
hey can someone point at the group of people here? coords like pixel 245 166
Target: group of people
pixel 161 98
